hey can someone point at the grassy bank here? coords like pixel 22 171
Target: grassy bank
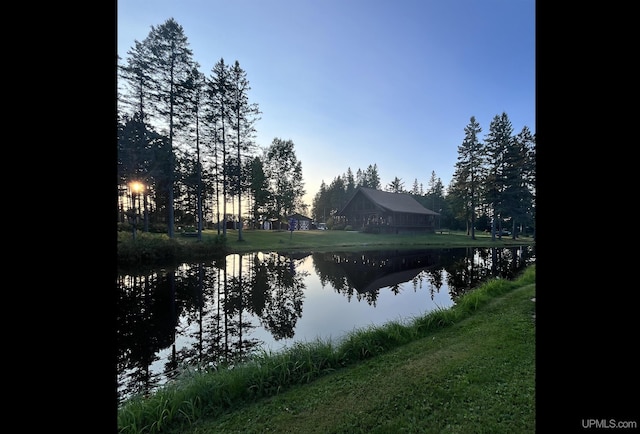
pixel 151 248
pixel 467 369
pixel 326 240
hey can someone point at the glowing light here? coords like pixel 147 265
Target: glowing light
pixel 136 186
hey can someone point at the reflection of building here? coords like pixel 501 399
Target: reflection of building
pixel 370 271
pixel 376 211
pixel 303 223
pixel 296 256
pixel 391 279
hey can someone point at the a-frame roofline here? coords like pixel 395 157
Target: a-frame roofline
pixel 391 202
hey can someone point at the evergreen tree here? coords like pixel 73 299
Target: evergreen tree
pixel 320 204
pixel 170 62
pixel 197 85
pixel 259 188
pixel 435 193
pixel 396 186
pixel 284 172
pixel 520 176
pixel 220 119
pixel 415 189
pixel 336 192
pixel 350 183
pixel 529 141
pixel 135 81
pixel 497 144
pixel 459 201
pixel 141 157
pixel 371 177
pixel 133 102
pixel 134 154
pixel 243 117
pixel 469 173
pixel 360 178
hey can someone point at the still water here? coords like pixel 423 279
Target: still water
pixel 204 313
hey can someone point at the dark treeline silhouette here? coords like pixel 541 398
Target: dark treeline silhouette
pixel 186 144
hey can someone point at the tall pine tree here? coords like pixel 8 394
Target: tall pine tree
pixel 220 93
pixel 243 117
pixel 469 172
pixel 170 63
pixel 497 144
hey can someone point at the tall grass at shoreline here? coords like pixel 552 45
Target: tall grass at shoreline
pixel 202 394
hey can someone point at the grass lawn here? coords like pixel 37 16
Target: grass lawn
pixel 477 376
pixel 260 240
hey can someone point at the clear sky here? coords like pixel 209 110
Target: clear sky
pixel 360 82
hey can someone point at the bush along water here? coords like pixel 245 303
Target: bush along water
pixel 160 249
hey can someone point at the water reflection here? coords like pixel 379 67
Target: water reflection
pixel 367 273
pixel 206 313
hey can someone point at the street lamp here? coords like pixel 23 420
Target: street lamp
pixel 136 187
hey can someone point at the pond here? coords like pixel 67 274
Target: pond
pixel 204 313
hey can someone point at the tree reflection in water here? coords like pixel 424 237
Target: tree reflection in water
pixel 204 314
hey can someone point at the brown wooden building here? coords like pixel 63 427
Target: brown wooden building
pixel 376 211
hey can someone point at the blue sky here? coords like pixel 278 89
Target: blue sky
pixel 360 82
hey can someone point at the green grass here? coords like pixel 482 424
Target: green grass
pixel 466 369
pixel 323 240
pixel 150 248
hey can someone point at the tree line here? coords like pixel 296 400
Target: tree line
pixel 494 182
pixel 493 186
pixel 331 198
pixel 188 139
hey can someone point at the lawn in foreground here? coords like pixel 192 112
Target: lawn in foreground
pixel 477 376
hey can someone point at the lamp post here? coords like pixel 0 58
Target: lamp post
pixel 136 187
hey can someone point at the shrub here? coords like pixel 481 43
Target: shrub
pixel 159 248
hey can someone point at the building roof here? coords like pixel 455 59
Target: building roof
pixel 393 202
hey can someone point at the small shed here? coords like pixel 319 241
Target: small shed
pixel 301 222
